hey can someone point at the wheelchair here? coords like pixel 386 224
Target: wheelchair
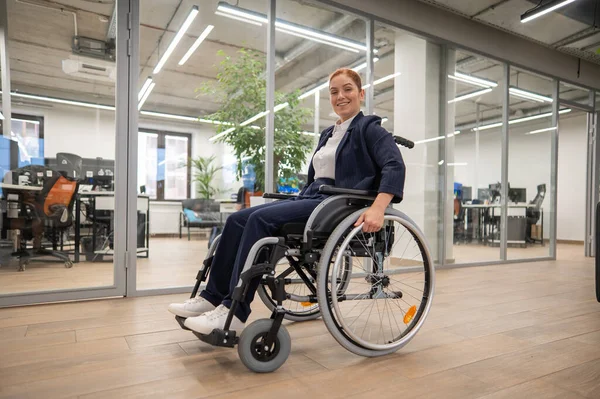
pixel 373 290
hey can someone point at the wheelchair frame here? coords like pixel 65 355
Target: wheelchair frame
pixel 274 346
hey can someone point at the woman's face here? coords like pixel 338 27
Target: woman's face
pixel 345 97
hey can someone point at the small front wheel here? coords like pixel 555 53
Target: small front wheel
pixel 259 357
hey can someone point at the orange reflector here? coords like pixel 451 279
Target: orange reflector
pixel 306 304
pixel 410 314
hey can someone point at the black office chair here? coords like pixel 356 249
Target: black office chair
pixel 70 165
pixel 45 215
pixel 459 222
pixel 533 213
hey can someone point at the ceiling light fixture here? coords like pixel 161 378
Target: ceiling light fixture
pixel 470 95
pixel 183 118
pixel 289 32
pixel 196 44
pixel 542 130
pixel 222 14
pixel 62 101
pixel 543 10
pixel 249 16
pixel 186 24
pixel 474 80
pixel 520 120
pixel 528 95
pixel 145 86
pixel 146 94
pixel 1 116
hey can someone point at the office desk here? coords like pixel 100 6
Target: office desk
pixel 483 233
pixel 105 201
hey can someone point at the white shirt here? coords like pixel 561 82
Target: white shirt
pixel 324 160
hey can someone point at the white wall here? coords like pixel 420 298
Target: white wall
pixel 529 165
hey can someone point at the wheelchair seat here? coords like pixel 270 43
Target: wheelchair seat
pixel 325 218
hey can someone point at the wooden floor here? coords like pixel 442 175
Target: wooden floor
pixel 174 262
pixel 529 330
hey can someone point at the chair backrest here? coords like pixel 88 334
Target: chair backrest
pixel 59 200
pixel 70 164
pixel 539 197
pixel 200 205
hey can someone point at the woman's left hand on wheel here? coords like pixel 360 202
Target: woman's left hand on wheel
pixel 372 219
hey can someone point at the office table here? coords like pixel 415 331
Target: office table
pixel 483 207
pixel 105 201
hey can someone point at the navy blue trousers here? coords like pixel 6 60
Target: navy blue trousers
pixel 242 230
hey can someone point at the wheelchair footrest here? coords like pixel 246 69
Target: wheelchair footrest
pixel 218 337
pixel 181 320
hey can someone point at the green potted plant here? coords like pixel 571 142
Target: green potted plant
pixel 241 90
pixel 204 173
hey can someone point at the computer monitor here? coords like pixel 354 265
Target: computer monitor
pixel 517 195
pixel 483 194
pixel 467 193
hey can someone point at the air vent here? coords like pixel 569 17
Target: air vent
pixel 89 68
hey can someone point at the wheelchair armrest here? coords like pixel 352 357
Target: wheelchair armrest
pixel 332 190
pixel 278 196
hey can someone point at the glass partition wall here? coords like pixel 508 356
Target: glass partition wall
pixel 485 139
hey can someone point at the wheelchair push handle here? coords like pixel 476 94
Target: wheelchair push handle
pixel 404 142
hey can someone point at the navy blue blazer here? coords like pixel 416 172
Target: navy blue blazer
pixel 367 158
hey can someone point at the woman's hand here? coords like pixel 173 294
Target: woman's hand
pixel 372 219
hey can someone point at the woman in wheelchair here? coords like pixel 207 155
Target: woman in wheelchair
pixel 356 153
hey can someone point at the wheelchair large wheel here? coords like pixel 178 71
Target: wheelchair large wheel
pixel 295 310
pixel 388 293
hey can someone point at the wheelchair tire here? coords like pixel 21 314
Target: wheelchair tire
pixel 252 353
pixel 290 314
pixel 335 322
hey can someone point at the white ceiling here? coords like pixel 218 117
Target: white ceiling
pixel 40 39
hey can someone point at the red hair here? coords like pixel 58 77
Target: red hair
pixel 350 73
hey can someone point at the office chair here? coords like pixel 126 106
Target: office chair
pixel 459 222
pixel 47 214
pixel 533 213
pixel 69 164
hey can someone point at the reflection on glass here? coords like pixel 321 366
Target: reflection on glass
pixel 475 157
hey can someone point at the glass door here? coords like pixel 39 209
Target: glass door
pixel 63 170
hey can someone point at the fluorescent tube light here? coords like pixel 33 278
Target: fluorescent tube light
pixel 282 30
pixel 473 80
pixel 145 86
pixel 524 119
pixel 470 95
pixel 441 162
pixel 313 91
pixel 223 133
pixel 186 24
pixel 222 14
pixel 280 107
pixel 61 101
pixel 196 44
pixel 1 116
pixel 249 16
pixel 543 10
pixel 255 117
pixel 542 130
pixel 146 94
pixel 183 118
pixel 529 95
pixel 362 66
pixel 242 13
pixel 429 140
pixel 457 164
pixel 386 78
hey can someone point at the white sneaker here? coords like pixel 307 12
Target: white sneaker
pixel 207 322
pixel 191 307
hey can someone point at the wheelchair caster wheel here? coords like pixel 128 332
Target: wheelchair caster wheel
pixel 68 264
pixel 255 355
